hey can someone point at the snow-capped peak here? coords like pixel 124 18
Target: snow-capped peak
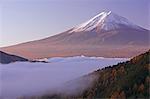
pixel 103 21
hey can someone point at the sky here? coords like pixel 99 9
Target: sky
pixel 27 20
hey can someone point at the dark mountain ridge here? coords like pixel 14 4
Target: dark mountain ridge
pixel 8 58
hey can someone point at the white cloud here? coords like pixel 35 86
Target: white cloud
pixel 24 78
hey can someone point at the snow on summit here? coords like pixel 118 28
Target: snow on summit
pixel 106 20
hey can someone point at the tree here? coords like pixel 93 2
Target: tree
pixel 147 80
pixel 114 73
pixel 121 70
pixel 141 88
pixel 122 95
pixel 115 95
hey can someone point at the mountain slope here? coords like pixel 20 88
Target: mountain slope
pixel 102 35
pixel 7 58
pixel 129 79
pixel 125 80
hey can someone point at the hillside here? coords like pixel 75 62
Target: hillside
pixel 129 79
pixel 8 58
pixel 125 80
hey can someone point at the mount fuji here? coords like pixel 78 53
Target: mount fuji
pixel 105 35
pixel 103 22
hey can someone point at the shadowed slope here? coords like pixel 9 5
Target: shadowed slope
pixel 8 58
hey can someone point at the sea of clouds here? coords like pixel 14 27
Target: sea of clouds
pixel 28 79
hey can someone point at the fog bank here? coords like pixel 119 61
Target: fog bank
pixel 25 78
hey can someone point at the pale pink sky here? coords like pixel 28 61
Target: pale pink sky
pixel 26 20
